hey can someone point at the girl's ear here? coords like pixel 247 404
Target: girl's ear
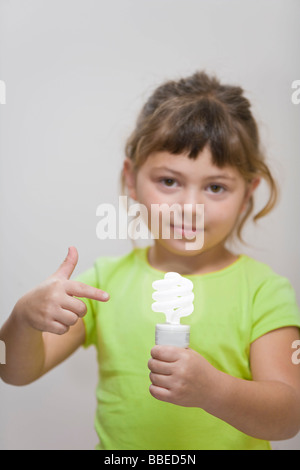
pixel 250 190
pixel 130 178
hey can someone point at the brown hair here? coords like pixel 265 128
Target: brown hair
pixel 186 115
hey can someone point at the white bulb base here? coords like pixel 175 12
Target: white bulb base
pixel 168 334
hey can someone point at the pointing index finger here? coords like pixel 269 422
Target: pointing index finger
pixel 79 289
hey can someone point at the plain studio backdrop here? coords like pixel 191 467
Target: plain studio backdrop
pixel 76 74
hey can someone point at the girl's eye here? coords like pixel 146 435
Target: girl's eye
pixel 169 182
pixel 216 188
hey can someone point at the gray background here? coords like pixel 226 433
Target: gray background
pixel 77 72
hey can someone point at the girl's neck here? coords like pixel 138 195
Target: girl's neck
pixel 215 259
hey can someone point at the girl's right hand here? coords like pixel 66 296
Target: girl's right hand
pixel 52 306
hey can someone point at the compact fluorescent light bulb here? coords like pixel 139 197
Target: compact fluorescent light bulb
pixel 174 298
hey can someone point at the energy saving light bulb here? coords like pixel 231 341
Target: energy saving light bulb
pixel 174 298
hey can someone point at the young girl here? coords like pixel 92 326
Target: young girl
pixel 236 387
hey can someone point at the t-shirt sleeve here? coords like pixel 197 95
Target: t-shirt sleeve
pixel 275 306
pixel 89 277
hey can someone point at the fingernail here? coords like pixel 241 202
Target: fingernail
pixel 105 296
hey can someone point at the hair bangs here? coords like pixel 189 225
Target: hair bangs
pixel 186 128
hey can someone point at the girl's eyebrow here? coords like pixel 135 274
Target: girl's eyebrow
pixel 224 177
pixel 164 168
pixel 211 177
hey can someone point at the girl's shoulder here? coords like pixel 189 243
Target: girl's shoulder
pixel 262 277
pixel 115 262
pixel 258 268
pixel 104 267
pixel 272 298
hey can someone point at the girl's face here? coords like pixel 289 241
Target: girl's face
pixel 176 179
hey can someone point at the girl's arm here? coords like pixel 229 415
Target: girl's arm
pixel 266 408
pixel 31 353
pixel 46 325
pixel 269 406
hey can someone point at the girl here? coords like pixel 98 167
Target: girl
pixel 236 387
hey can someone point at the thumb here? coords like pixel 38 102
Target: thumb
pixel 69 264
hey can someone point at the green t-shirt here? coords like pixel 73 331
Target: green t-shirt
pixel 233 307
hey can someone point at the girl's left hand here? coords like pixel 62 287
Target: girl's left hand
pixel 182 376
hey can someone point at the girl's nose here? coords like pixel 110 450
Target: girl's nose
pixel 191 197
pixel 192 205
